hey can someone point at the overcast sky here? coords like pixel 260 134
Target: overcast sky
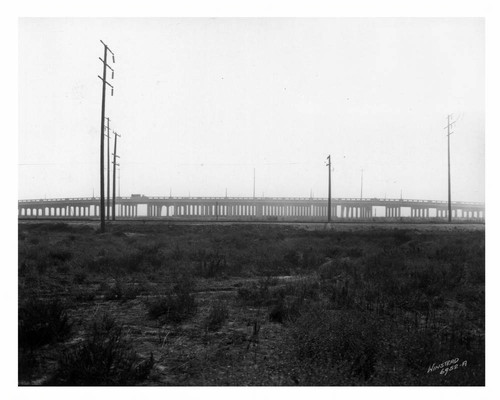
pixel 200 103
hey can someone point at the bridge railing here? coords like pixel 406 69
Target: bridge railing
pixel 282 199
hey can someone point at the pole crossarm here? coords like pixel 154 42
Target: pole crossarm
pixel 109 66
pixel 107 83
pixel 108 49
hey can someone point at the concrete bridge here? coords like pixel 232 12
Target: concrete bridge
pixel 248 208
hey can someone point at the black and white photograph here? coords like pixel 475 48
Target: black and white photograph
pixel 251 201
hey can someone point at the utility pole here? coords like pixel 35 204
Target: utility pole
pixel 448 127
pixel 114 175
pixel 254 183
pixel 329 164
pixel 103 113
pixel 361 184
pixel 107 197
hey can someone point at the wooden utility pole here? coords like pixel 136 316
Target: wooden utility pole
pixel 108 170
pixel 114 176
pixel 103 113
pixel 254 183
pixel 448 127
pixel 361 184
pixel 329 164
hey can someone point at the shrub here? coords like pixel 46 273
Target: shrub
pixel 104 358
pixel 60 255
pixel 83 295
pixel 120 291
pixel 176 305
pixel 287 309
pixel 80 277
pixel 401 236
pixel 289 299
pixel 292 257
pixel 211 265
pixel 42 322
pixel 254 294
pixel 217 316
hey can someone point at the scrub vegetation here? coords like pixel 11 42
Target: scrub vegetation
pixel 251 304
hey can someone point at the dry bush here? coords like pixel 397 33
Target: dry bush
pixel 105 357
pixel 343 345
pixel 218 314
pixel 41 322
pixel 177 304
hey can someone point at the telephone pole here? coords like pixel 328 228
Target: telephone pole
pixel 254 183
pixel 103 113
pixel 119 182
pixel 329 165
pixel 361 184
pixel 114 175
pixel 107 197
pixel 448 127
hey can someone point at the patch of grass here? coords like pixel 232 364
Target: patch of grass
pixel 336 345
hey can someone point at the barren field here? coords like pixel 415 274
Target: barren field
pixel 251 304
